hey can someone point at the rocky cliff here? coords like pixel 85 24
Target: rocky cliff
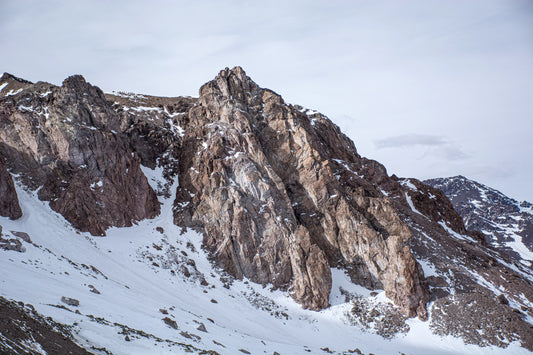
pixel 279 198
pixel 505 222
pixel 280 195
pixel 66 142
pixel 9 204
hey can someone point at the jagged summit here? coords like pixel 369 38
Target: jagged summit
pixel 231 84
pixel 74 81
pixel 10 77
pixel 507 223
pixel 279 194
pixel 10 85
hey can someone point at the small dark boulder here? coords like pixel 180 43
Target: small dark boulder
pixel 70 301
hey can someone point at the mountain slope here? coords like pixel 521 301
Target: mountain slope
pixel 135 283
pixel 507 223
pixel 63 141
pixel 246 187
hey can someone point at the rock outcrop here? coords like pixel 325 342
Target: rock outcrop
pixel 66 141
pixel 277 193
pixel 24 331
pixel 9 203
pixel 506 223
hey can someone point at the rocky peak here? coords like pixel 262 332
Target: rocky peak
pixel 262 179
pixel 76 81
pixel 10 77
pixel 65 142
pixel 507 223
pixel 10 85
pixel 230 84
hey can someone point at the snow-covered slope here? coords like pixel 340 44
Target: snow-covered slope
pixel 507 222
pixel 150 289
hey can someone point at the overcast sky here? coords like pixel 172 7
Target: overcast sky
pixel 428 88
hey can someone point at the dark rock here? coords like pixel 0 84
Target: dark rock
pixel 21 327
pixel 93 289
pixel 22 235
pixel 190 336
pixel 12 244
pixel 219 344
pixel 170 322
pixel 9 203
pixel 202 328
pixel 88 173
pixel 70 301
pixel 490 216
pixel 470 315
pixel 501 299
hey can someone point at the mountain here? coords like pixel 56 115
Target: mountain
pixel 234 221
pixel 507 223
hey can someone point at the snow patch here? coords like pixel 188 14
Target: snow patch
pixel 408 184
pixel 11 92
pixel 411 205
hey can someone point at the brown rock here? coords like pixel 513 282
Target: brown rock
pixel 277 194
pixel 501 299
pixel 170 322
pixel 9 204
pixel 67 144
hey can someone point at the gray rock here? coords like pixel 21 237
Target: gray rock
pixel 88 173
pixel 12 244
pixel 22 235
pixel 70 301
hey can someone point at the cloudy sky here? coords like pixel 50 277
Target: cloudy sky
pixel 428 88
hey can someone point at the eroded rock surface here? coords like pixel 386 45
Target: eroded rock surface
pixel 505 222
pixel 278 194
pixel 24 331
pixel 66 141
pixel 9 203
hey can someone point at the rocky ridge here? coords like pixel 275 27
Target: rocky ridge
pixel 67 143
pixel 279 193
pixel 506 222
pixel 268 184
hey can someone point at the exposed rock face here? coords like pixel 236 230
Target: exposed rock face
pixel 280 194
pixel 9 204
pixel 279 197
pixel 506 222
pixel 24 331
pixel 66 141
pixel 462 271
